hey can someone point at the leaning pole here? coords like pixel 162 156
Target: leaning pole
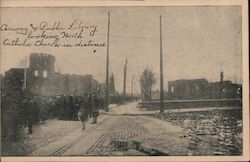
pixel 107 67
pixel 161 72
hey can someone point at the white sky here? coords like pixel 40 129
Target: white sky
pixel 197 41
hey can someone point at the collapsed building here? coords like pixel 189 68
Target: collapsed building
pixel 202 89
pixel 41 79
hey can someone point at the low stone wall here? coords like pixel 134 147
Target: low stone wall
pixel 191 103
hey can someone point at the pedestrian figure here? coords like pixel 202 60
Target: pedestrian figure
pixel 83 112
pixel 95 108
pixel 72 108
pixel 83 117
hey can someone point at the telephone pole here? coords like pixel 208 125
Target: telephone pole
pixel 25 74
pixel 161 72
pixel 107 66
pixel 125 77
pixel 132 86
pixel 92 92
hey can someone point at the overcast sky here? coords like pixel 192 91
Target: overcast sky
pixel 198 42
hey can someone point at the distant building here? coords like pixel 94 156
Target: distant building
pixel 12 82
pixel 42 80
pixel 226 89
pixel 1 77
pixel 188 89
pixel 201 89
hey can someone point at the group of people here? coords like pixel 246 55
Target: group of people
pixel 18 111
pixel 23 110
pixel 67 108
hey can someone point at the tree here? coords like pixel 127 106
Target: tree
pixel 147 80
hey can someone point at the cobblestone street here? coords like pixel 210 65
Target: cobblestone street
pixel 117 135
pixel 125 130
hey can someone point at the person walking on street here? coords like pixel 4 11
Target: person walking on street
pixel 95 108
pixel 83 112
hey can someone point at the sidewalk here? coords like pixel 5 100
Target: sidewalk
pixel 133 109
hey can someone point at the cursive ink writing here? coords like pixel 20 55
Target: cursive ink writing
pixel 76 33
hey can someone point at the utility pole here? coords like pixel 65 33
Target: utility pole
pixel 107 66
pixel 132 86
pixel 92 92
pixel 25 74
pixel 161 72
pixel 125 77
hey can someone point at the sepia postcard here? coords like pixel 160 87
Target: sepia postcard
pixel 124 80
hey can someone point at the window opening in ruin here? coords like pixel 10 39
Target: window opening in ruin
pixel 36 73
pixel 172 89
pixel 45 74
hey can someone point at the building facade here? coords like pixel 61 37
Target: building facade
pixel 201 89
pixel 42 80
